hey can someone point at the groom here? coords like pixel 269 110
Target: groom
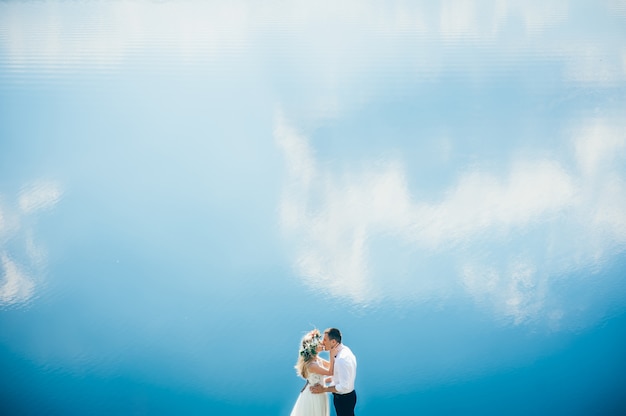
pixel 342 384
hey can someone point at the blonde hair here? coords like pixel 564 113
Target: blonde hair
pixel 302 366
pixel 308 352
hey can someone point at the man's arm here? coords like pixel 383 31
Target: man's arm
pixel 318 388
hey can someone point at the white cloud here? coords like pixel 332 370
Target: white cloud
pixel 595 63
pixel 599 143
pixel 575 219
pixel 15 285
pixel 483 201
pixel 102 37
pixel 23 259
pixel 458 18
pixel 38 196
pixel 336 41
pixel 516 292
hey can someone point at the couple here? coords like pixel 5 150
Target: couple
pixel 335 376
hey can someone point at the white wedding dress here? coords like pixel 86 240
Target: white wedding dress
pixel 310 404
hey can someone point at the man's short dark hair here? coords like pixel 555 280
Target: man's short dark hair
pixel 333 333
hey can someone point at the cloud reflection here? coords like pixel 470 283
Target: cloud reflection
pixel 49 39
pixel 15 287
pixel 509 238
pixel 200 33
pixel 22 259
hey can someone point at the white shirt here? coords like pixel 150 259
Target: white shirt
pixel 344 372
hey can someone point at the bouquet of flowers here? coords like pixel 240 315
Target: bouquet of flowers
pixel 310 342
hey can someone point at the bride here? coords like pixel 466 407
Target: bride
pixel 313 369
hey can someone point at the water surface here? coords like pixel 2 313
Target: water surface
pixel 186 187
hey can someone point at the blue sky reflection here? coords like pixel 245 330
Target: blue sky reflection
pixel 451 174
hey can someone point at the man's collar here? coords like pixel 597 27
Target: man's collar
pixel 339 348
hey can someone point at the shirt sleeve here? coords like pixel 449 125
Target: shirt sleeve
pixel 344 375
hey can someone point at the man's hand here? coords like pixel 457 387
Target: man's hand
pixel 317 389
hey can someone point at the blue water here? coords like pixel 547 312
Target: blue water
pixel 187 187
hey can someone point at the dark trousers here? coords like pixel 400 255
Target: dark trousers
pixel 344 403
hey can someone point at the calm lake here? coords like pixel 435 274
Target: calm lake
pixel 187 187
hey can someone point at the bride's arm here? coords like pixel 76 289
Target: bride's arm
pixel 319 369
pixel 326 369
